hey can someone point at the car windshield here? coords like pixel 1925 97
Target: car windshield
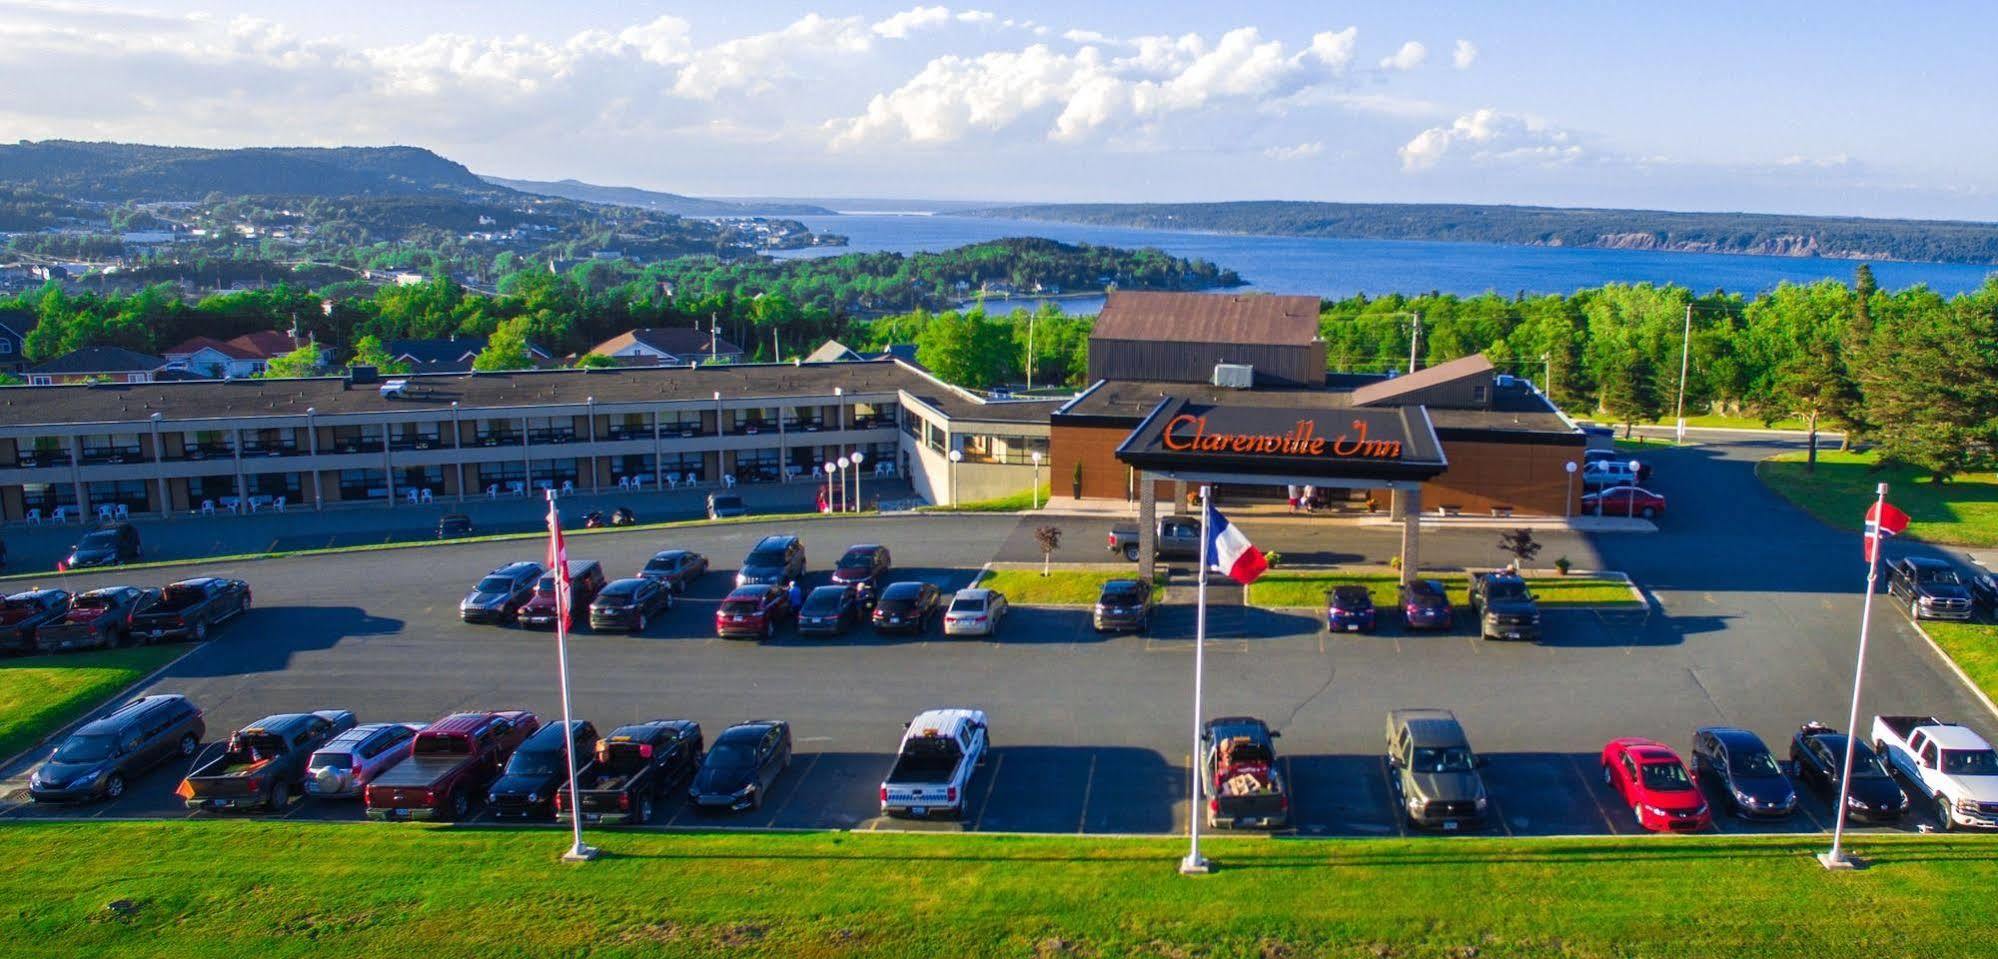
pixel 662 564
pixel 1504 589
pixel 620 590
pixel 765 557
pixel 103 538
pixel 857 559
pixel 823 601
pixel 968 604
pixel 1665 777
pixel 538 762
pixel 1452 759
pixel 1351 596
pixel 738 606
pixel 1970 762
pixel 1936 574
pixel 1753 762
pixel 1865 765
pixel 1120 597
pixel 727 755
pixel 84 749
pixel 495 584
pixel 93 601
pixel 332 761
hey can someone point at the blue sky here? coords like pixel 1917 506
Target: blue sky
pixel 1817 108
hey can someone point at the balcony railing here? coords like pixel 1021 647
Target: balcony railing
pixel 37 459
pixel 207 451
pixel 618 433
pixel 567 435
pixel 499 439
pixel 804 425
pixel 419 442
pixel 752 428
pixel 113 454
pixel 278 448
pixel 872 422
pixel 683 430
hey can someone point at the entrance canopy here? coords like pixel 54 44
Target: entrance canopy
pixel 1202 442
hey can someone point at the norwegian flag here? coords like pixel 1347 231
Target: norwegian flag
pixel 558 563
pixel 1882 520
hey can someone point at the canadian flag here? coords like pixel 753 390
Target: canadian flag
pixel 558 563
pixel 1882 520
pixel 1229 551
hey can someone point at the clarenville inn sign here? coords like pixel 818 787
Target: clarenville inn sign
pixel 1188 433
pixel 1273 445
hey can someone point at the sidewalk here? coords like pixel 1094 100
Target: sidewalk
pixel 1279 514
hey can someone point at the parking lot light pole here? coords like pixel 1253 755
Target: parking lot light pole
pixel 845 463
pixel 955 457
pixel 1835 859
pixel 1568 504
pixel 1195 864
pixel 858 458
pixel 1036 490
pixel 1630 498
pixel 831 468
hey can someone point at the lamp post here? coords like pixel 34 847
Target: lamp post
pixel 1036 488
pixel 1685 355
pixel 858 458
pixel 845 463
pixel 955 457
pixel 1630 499
pixel 1568 505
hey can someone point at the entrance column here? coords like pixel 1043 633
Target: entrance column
pixel 1148 525
pixel 1179 497
pixel 1409 503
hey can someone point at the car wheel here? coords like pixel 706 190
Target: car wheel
pixel 188 744
pixel 280 796
pixel 769 632
pixel 1607 779
pixel 1131 552
pixel 1637 813
pixel 1914 609
pixel 644 814
pixel 1943 820
pixel 114 786
pixel 1648 513
pixel 200 632
pixel 639 625
pixel 461 806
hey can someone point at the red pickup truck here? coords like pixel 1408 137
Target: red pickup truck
pixel 450 764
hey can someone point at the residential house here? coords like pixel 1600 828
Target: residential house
pixel 669 346
pixel 236 358
pixel 14 327
pixel 92 364
pixel 453 354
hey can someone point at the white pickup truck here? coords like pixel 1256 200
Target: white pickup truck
pixel 933 768
pixel 1950 765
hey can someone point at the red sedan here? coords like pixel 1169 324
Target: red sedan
pixel 1650 777
pixel 1624 501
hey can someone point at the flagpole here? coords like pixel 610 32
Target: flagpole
pixel 577 851
pixel 1195 864
pixel 1835 859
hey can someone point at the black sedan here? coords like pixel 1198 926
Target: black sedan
pixel 110 546
pixel 741 765
pixel 454 525
pixel 1819 754
pixel 907 607
pixel 1738 763
pixel 1425 605
pixel 629 604
pixel 829 611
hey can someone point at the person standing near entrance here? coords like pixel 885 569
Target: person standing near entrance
pixel 1291 491
pixel 1311 499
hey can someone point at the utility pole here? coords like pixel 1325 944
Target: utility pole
pixel 776 348
pixel 1685 354
pixel 1547 383
pixel 1030 352
pixel 714 335
pixel 1415 343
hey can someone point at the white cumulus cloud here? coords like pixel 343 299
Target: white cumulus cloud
pixel 1298 151
pixel 1490 135
pixel 911 20
pixel 756 62
pixel 1410 56
pixel 1464 55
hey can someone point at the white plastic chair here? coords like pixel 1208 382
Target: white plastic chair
pixel 61 514
pixel 728 480
pixel 412 496
pixel 568 487
pixel 693 480
pixel 638 481
pixel 208 507
pixel 121 511
pixel 105 512
pixel 35 516
pixel 624 482
pixel 278 504
pixel 492 492
pixel 673 480
pixel 517 488
pixel 427 496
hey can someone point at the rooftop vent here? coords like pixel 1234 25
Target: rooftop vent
pixel 1234 376
pixel 361 373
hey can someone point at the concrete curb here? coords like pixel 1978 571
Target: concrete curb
pixel 94 711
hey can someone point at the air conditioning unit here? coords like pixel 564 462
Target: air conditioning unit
pixel 1234 376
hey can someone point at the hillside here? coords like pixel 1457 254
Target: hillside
pixel 673 203
pixel 110 172
pixel 1758 234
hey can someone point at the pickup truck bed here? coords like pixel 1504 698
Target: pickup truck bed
pixel 1904 726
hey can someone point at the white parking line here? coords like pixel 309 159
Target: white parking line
pixel 1082 824
pixel 797 786
pixel 986 802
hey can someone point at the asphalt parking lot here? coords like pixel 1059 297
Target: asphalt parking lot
pixel 1752 623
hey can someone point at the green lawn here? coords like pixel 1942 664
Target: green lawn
pixel 226 888
pixel 1299 590
pixel 1062 587
pixel 1019 502
pixel 39 694
pixel 1974 646
pixel 1963 511
pixel 1723 421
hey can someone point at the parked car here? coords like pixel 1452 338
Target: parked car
pixel 829 611
pixel 721 505
pixel 635 767
pixel 629 604
pixel 940 750
pixel 24 612
pixel 1349 609
pixel 1503 607
pixel 865 568
pixel 98 619
pixel 1983 585
pixel 1242 785
pixel 1426 605
pixel 108 546
pixel 450 764
pixel 1178 537
pixel 1620 458
pixel 453 525
pixel 526 788
pixel 1624 501
pixel 1947 764
pixel 1603 474
pixel 345 766
pixel 675 568
pixel 263 762
pixel 586 580
pixel 1648 775
pixel 1930 587
pixel 908 607
pixel 502 592
pixel 1433 771
pixel 104 755
pixel 1737 761
pixel 741 765
pixel 190 608
pixel 752 612
pixel 1123 604
pixel 977 611
pixel 774 560
pixel 1819 754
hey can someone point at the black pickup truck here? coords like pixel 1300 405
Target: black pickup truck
pixel 263 762
pixel 635 767
pixel 1505 609
pixel 189 608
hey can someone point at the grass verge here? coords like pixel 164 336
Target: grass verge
pixel 186 888
pixel 1963 511
pixel 1974 647
pixel 40 694
pixel 1723 421
pixel 1302 590
pixel 1016 503
pixel 1062 587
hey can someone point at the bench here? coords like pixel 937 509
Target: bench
pixel 1502 512
pixel 1450 509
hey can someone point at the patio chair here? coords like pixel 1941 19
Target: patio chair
pixel 568 487
pixel 638 481
pixel 427 496
pixel 673 480
pixel 693 480
pixel 624 482
pixel 105 512
pixel 121 511
pixel 208 507
pixel 35 516
pixel 61 514
pixel 492 492
pixel 412 496
pixel 728 480
pixel 278 504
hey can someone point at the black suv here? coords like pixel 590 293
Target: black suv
pixel 110 546
pixel 96 761
pixel 1738 762
pixel 1930 587
pixel 909 607
pixel 501 593
pixel 863 567
pixel 1123 604
pixel 526 787
pixel 773 561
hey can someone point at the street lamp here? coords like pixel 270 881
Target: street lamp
pixel 845 463
pixel 858 458
pixel 831 467
pixel 1036 490
pixel 1630 498
pixel 955 457
pixel 1568 505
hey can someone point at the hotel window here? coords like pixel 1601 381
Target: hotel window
pixel 632 465
pixel 868 416
pixel 755 420
pixel 130 494
pixel 757 466
pixel 554 473
pixel 685 465
pixel 551 429
pixel 504 432
pixel 363 484
pixel 48 496
pixel 680 423
pixel 628 426
pixel 935 437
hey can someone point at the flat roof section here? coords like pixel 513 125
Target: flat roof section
pixel 1126 402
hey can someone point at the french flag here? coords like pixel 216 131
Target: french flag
pixel 1229 551
pixel 1882 520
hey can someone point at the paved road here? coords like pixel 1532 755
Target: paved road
pixel 1752 625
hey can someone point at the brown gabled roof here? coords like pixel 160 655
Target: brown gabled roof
pixel 1463 366
pixel 1258 318
pixel 196 344
pixel 265 344
pixel 676 340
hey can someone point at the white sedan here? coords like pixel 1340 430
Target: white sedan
pixel 975 612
